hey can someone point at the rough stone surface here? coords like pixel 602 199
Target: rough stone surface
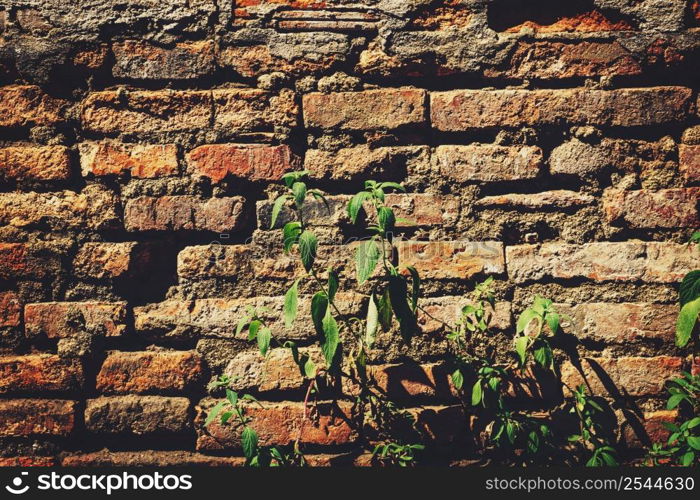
pixel 137 415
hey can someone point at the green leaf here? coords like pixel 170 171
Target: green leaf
pixel 415 287
pixel 355 205
pixel 249 442
pixel 331 338
pixel 384 310
pixel 366 260
pixel 253 329
pixel 686 322
pixel 394 185
pixel 291 302
pixel 232 397
pixel 372 322
pixel 309 368
pixel 264 337
pixel 690 287
pixel 543 355
pixel 332 284
pixel 386 218
pixel 687 459
pixel 299 192
pixel 553 322
pixel 477 393
pixel 674 401
pixel 525 318
pixel 214 412
pixel 457 379
pixel 276 209
pixel 291 232
pixel 521 345
pixel 307 249
pixel 319 304
pixel 241 325
pixel 694 442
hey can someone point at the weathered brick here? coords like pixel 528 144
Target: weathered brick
pixel 276 371
pixel 632 375
pixel 488 163
pixel 557 198
pixel 280 424
pixel 139 160
pixel 10 309
pixel 28 461
pixel 689 162
pixel 143 61
pixel 28 105
pixel 414 209
pixel 408 380
pixel 649 429
pixel 92 58
pixel 149 372
pixel 137 415
pixel 367 110
pixel 22 260
pixel 39 163
pixel 203 261
pixel 665 208
pixel 459 110
pixel 64 319
pixel 39 373
pixel 252 61
pixel 364 162
pixel 620 323
pixel 146 111
pixel 449 309
pixel 555 60
pixel 36 417
pixel 654 262
pixel 92 208
pixel 112 260
pixel 576 20
pixel 452 259
pixel 240 111
pixel 217 317
pixel 176 213
pixel 150 458
pixel 253 162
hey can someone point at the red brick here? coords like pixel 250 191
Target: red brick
pixel 144 61
pixel 452 259
pixel 240 111
pixel 28 105
pixel 589 21
pixel 558 198
pixel 367 110
pixel 276 371
pixel 36 417
pixel 689 162
pixel 459 110
pixel 28 461
pixel 139 160
pixel 247 161
pixel 666 208
pixel 40 163
pixel 137 415
pixel 635 376
pixel 620 323
pixel 654 262
pixel 176 213
pixel 112 260
pixel 149 372
pixel 10 309
pixel 652 429
pixel 488 163
pixel 362 162
pixel 150 458
pixel 556 60
pixel 93 58
pixel 39 373
pixel 21 260
pixel 63 319
pixel 92 208
pixel 279 424
pixel 252 61
pixel 146 111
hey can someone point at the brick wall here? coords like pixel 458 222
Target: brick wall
pixel 552 145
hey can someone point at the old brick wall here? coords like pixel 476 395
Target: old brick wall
pixel 553 145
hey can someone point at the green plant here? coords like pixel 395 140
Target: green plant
pixel 395 454
pixel 592 435
pixel 689 298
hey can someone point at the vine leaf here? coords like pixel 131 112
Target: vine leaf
pixel 319 304
pixel 214 412
pixel 308 245
pixel 366 260
pixel 690 287
pixel 457 379
pixel 249 442
pixel 477 393
pixel 264 337
pixel 331 337
pixel 355 205
pixel 291 233
pixel 299 192
pixel 276 209
pixel 687 319
pixel 372 321
pixel 291 302
pixel 521 345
